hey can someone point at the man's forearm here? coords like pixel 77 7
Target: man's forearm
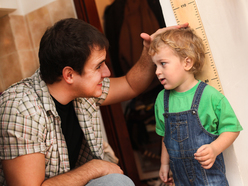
pixel 141 75
pixel 83 174
pixel 77 177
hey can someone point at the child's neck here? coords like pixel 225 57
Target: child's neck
pixel 187 85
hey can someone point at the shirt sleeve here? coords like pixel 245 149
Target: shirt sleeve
pixel 158 112
pixel 228 121
pixel 105 91
pixel 20 130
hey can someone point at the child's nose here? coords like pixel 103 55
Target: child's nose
pixel 157 72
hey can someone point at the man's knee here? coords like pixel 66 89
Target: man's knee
pixel 112 180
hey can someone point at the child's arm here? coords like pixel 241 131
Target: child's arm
pixel 207 154
pixel 165 165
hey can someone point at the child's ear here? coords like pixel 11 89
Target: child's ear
pixel 188 64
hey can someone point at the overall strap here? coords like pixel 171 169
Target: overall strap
pixel 166 100
pixel 197 96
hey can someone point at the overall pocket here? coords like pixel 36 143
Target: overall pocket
pixel 179 130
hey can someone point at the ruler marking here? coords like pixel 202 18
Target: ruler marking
pixel 187 11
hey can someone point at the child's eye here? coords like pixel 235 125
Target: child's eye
pixel 163 63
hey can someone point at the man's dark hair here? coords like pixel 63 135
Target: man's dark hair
pixel 68 43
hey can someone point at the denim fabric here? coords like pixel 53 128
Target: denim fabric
pixel 184 134
pixel 111 180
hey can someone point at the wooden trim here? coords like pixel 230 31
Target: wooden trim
pixel 119 140
pixel 86 10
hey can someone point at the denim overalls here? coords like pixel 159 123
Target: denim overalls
pixel 184 134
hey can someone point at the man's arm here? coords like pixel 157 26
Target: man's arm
pixel 30 170
pixel 133 83
pixel 25 170
pixel 140 75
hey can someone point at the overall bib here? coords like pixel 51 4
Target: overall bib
pixel 184 134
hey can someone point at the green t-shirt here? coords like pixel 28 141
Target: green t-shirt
pixel 215 112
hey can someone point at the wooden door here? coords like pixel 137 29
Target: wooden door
pixel 114 121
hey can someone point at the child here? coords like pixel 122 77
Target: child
pixel 196 121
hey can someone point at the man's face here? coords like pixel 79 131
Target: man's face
pixel 89 83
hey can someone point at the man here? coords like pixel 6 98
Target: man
pixel 49 128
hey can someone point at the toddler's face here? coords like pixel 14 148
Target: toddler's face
pixel 170 69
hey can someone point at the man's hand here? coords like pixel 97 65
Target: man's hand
pixel 105 167
pixel 206 156
pixel 148 38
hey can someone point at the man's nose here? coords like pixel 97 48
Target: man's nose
pixel 106 71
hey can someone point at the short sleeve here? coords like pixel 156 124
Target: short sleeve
pixel 158 112
pixel 20 130
pixel 216 113
pixel 105 90
pixel 228 122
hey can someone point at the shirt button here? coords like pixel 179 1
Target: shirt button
pixel 49 112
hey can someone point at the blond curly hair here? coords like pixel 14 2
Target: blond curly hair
pixel 185 43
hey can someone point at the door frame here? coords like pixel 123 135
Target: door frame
pixel 112 115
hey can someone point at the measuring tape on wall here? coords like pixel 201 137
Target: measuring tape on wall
pixel 187 11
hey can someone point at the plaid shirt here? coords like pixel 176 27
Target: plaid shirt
pixel 29 123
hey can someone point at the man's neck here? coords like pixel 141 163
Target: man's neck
pixel 61 92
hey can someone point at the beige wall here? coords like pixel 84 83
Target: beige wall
pixel 101 5
pixel 20 37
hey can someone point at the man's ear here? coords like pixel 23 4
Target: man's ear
pixel 67 74
pixel 188 64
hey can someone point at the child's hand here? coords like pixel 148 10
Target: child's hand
pixel 206 156
pixel 164 174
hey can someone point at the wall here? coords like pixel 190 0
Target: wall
pixel 101 5
pixel 226 26
pixel 20 34
pixel 27 6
